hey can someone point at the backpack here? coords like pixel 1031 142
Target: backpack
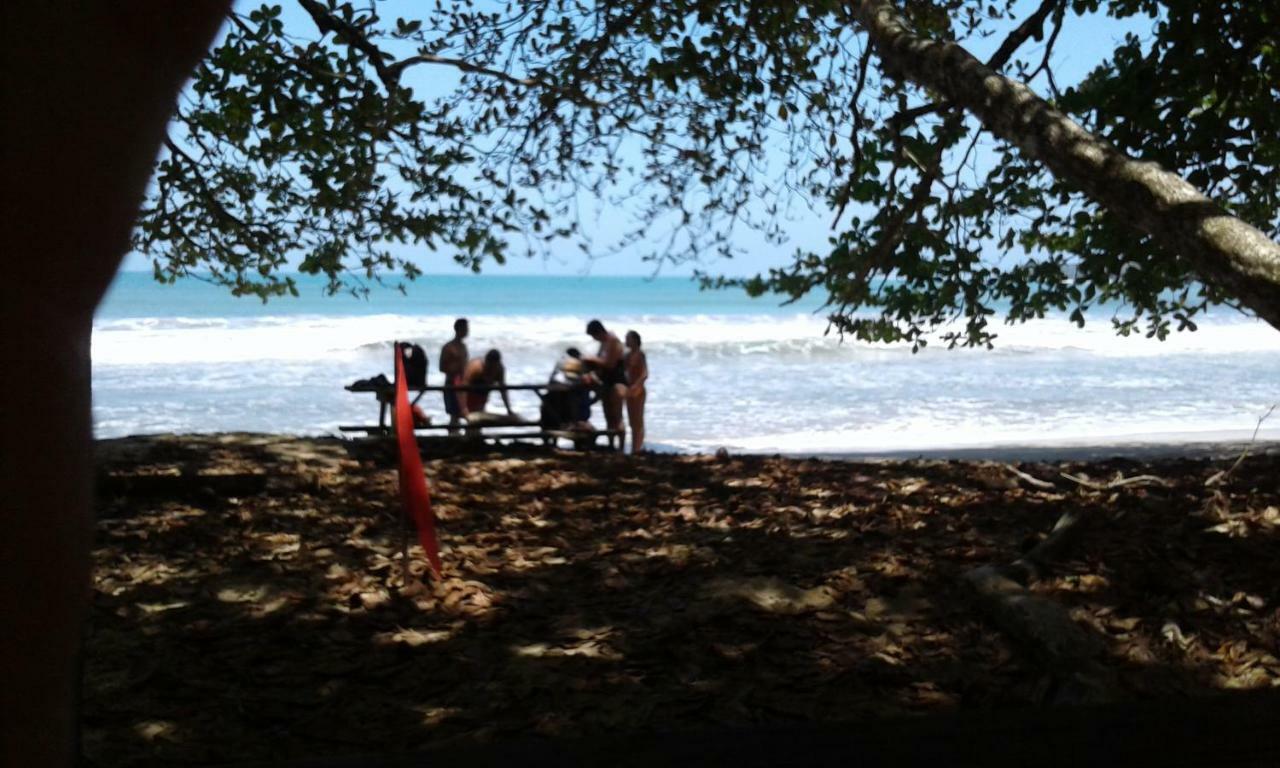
pixel 563 406
pixel 557 408
pixel 415 365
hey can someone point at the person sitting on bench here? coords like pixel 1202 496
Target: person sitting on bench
pixel 569 396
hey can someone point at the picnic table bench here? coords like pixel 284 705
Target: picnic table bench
pixel 498 428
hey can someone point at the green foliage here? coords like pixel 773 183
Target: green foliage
pixel 287 148
pixel 1197 96
pixel 698 115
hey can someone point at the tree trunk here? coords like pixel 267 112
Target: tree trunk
pixel 1225 251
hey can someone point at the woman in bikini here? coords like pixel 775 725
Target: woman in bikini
pixel 637 372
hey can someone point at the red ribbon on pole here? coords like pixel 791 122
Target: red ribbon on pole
pixel 413 482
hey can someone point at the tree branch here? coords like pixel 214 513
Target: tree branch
pixel 864 61
pixel 199 177
pixel 426 58
pixel 353 36
pixel 908 116
pixel 597 48
pixel 1048 51
pixel 1219 477
pixel 1032 26
pixel 892 232
pixel 1226 251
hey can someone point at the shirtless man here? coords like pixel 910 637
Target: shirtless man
pixel 489 373
pixel 453 363
pixel 609 365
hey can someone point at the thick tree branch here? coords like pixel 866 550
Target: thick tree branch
pixel 353 36
pixel 390 72
pixel 1226 251
pixel 1046 630
pixel 908 116
pixel 425 58
pixel 1032 26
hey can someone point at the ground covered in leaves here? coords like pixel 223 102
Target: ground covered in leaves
pixel 249 599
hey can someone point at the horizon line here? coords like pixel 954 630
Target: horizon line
pixel 468 274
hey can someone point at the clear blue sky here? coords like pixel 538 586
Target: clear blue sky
pixel 1084 43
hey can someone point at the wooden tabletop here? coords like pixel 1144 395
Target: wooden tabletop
pixel 437 388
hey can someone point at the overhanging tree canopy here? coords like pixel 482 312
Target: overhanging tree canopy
pixel 1157 171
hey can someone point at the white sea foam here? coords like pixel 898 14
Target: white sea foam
pixel 175 340
pixel 764 382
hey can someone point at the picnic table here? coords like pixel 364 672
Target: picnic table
pixel 497 427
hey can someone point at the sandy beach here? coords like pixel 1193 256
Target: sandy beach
pixel 250 601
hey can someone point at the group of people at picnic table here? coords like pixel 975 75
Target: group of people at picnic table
pixel 615 376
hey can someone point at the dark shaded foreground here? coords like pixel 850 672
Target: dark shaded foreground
pixel 1236 730
pixel 249 606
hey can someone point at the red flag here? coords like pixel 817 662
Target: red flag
pixel 413 483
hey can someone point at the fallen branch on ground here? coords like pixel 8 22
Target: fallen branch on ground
pixel 1041 625
pixel 1030 479
pixel 1119 482
pixel 1035 563
pixel 1221 477
pixel 1050 634
pixel 1045 628
pixel 1081 480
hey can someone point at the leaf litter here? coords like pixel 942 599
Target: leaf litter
pixel 250 600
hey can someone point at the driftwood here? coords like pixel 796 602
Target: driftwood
pixel 1220 477
pixel 1031 480
pixel 1035 563
pixel 1041 626
pixel 1084 482
pixel 1044 628
pixel 1118 482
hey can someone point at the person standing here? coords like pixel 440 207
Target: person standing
pixel 609 366
pixel 453 364
pixel 637 366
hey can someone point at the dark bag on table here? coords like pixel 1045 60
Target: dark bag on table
pixel 415 365
pixel 557 408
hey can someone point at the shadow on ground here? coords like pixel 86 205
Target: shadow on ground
pixel 249 601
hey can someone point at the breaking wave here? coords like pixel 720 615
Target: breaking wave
pixel 702 337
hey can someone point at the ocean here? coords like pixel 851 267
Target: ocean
pixel 725 370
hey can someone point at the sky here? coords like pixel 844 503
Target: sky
pixel 1084 43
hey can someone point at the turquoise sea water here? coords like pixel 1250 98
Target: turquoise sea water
pixel 136 294
pixel 726 370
